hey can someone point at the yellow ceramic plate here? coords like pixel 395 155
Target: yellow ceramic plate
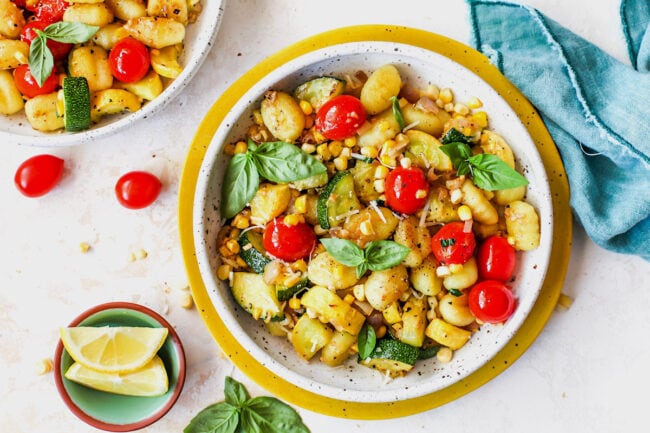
pixel 511 346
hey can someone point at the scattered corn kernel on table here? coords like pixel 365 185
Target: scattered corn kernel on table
pixel 77 247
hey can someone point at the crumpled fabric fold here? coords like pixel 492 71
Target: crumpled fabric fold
pixel 595 107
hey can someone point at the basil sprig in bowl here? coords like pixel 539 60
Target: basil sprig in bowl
pixel 209 172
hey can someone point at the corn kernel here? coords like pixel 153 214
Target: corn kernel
pixel 446 95
pixel 257 117
pixel 186 300
pixel 335 147
pixel 44 366
pixel 294 219
pixel 444 354
pixel 318 136
pixel 306 107
pixel 229 149
pixel 299 266
pixel 223 272
pixel 341 163
pixel 475 103
pixel 439 103
pixel 141 254
pixel 346 153
pixel 381 331
pixel 564 302
pixel 324 151
pixel 84 247
pixel 224 251
pixel 456 196
pixel 421 193
pixel 294 303
pixel 369 151
pixel 240 262
pixel 381 172
pixel 431 314
pixel 241 147
pixel 461 109
pixel 234 233
pixel 349 298
pixel 233 246
pixel 241 222
pixel 380 185
pixel 308 148
pixel 464 213
pixel 300 204
pixel 366 228
pixel 480 118
pixel 432 92
pixel 388 160
pixel 449 107
pixel 455 268
pixel 443 271
pixel 350 142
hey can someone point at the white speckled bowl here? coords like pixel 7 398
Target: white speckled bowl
pixel 200 36
pixel 272 360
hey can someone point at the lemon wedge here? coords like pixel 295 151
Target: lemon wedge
pixel 120 349
pixel 149 381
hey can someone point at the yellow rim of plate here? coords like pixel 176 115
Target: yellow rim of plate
pixel 559 259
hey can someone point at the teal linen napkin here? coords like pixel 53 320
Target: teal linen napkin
pixel 596 108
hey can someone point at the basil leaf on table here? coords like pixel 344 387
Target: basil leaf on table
pixel 240 413
pixel 276 161
pixel 366 341
pixel 239 185
pixel 41 60
pixel 488 171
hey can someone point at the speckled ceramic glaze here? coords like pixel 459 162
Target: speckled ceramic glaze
pixel 113 412
pixel 274 356
pixel 198 41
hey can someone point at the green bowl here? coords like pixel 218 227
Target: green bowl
pixel 113 412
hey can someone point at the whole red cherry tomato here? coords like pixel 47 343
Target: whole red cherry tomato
pixel 59 49
pixel 452 244
pixel 37 175
pixel 340 117
pixel 129 60
pixel 49 11
pixel 137 189
pixel 288 242
pixel 28 86
pixel 495 259
pixel 406 189
pixel 491 301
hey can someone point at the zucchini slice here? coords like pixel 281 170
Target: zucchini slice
pixel 255 296
pixel 76 104
pixel 392 356
pixel 252 251
pixel 319 90
pixel 337 200
pixel 286 293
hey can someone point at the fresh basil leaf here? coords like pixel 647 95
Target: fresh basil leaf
pixel 455 292
pixel 344 251
pixel 270 415
pixel 458 153
pixel 217 418
pixel 70 32
pixel 366 341
pixel 385 254
pixel 41 60
pixel 235 392
pixel 362 268
pixel 279 161
pixel 491 173
pixel 239 184
pixel 454 136
pixel 397 112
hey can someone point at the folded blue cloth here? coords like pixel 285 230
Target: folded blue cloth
pixel 596 108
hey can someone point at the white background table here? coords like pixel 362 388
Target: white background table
pixel 586 372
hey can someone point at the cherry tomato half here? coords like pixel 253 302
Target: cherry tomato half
pixel 288 242
pixel 137 189
pixel 406 189
pixel 340 117
pixel 28 86
pixel 49 11
pixel 59 49
pixel 491 301
pixel 495 259
pixel 129 60
pixel 37 175
pixel 452 245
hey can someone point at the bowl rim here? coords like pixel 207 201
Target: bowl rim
pixel 190 69
pixel 103 425
pixel 478 64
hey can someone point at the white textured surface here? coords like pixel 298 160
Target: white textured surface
pixel 584 373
